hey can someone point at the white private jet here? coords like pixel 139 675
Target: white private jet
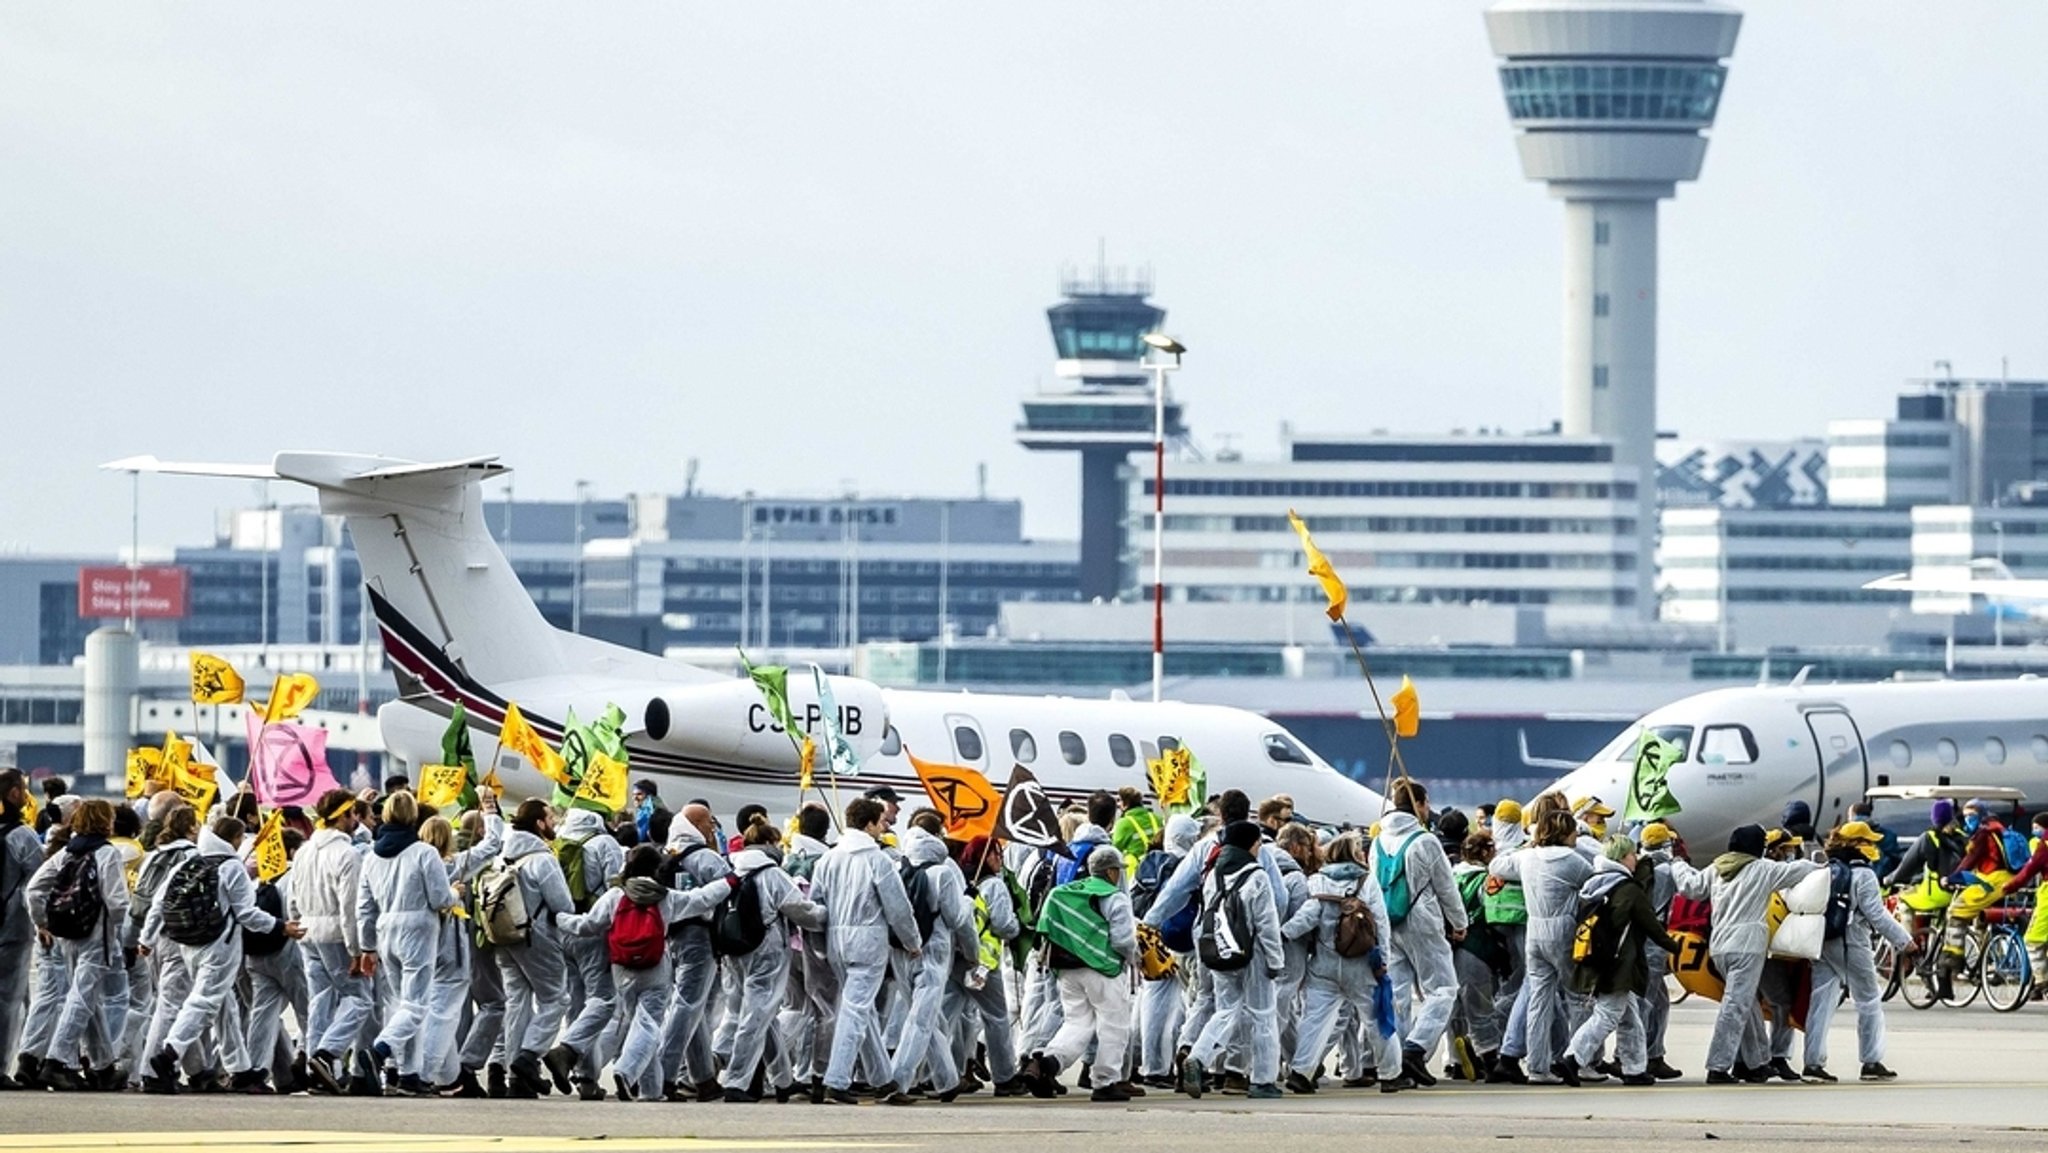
pixel 2004 594
pixel 1751 751
pixel 458 627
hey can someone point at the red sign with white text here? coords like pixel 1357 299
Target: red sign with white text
pixel 159 592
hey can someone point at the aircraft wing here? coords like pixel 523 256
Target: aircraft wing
pixel 1997 588
pixel 149 463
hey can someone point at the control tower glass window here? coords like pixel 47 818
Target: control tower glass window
pixel 1103 328
pixel 1655 93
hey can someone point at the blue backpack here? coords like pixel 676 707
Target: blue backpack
pixel 1177 931
pixel 2017 851
pixel 1391 871
pixel 1074 867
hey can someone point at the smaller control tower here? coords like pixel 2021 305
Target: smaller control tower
pixel 1101 407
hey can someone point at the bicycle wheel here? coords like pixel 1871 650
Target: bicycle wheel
pixel 2007 980
pixel 1917 980
pixel 1888 969
pixel 1969 975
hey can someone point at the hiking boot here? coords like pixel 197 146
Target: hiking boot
pixel 464 1086
pixel 252 1081
pixel 1192 1081
pixel 1014 1087
pixel 587 1089
pixel 1722 1077
pixel 28 1072
pixel 163 1066
pixel 414 1085
pixel 325 1074
pixel 1875 1071
pixel 365 1087
pixel 1817 1075
pixel 1507 1071
pixel 1087 1081
pixel 1362 1081
pixel 738 1096
pixel 1416 1066
pixel 623 1090
pixel 1264 1091
pixel 1131 1088
pixel 1608 1068
pixel 900 1098
pixel 1296 1083
pixel 1041 1073
pixel 1567 1070
pixel 1758 1076
pixel 1637 1080
pixel 1404 1081
pixel 1663 1071
pixel 61 1078
pixel 527 1076
pixel 1782 1070
pixel 1236 1083
pixel 494 1082
pixel 561 1064
pixel 1116 1095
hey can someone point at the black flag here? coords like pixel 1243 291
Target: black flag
pixel 1027 815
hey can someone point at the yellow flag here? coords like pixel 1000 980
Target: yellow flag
pixel 271 859
pixel 441 785
pixel 1172 775
pixel 1407 709
pixel 806 761
pixel 199 792
pixel 176 757
pixel 144 765
pixel 490 781
pixel 30 811
pixel 1319 568
pixel 289 697
pixel 520 737
pixel 604 784
pixel 214 681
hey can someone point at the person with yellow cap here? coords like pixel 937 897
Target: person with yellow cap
pixel 1592 813
pixel 324 887
pixel 1508 915
pixel 1855 910
pixel 1653 869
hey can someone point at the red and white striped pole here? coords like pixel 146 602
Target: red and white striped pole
pixel 1162 343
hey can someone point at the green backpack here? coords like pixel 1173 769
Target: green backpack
pixel 569 854
pixel 1391 871
pixel 1071 923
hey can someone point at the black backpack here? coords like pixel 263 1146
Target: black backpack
pixel 922 906
pixel 1225 912
pixel 1835 918
pixel 270 899
pixel 76 907
pixel 738 928
pixel 191 898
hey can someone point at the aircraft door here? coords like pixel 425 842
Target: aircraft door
pixel 969 748
pixel 1844 774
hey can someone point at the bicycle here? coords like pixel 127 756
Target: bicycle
pixel 2008 977
pixel 1922 981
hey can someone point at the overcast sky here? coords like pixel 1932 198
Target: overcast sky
pixel 811 245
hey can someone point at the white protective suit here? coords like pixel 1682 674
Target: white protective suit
pixel 323 889
pixel 1096 1007
pixel 989 1004
pixel 807 1016
pixel 1740 887
pixel 944 891
pixel 1419 964
pixel 93 960
pixel 685 1041
pixel 1550 876
pixel 1244 997
pixel 590 967
pixel 453 959
pixel 534 981
pixel 21 854
pixel 1849 960
pixel 215 966
pixel 1336 983
pixel 763 974
pixel 643 993
pixel 402 895
pixel 864 903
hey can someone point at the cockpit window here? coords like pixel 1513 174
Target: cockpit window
pixel 1727 745
pixel 1624 746
pixel 1281 748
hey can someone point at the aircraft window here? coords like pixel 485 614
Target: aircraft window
pixel 1073 748
pixel 1282 749
pixel 1727 745
pixel 967 742
pixel 1168 744
pixel 2040 746
pixel 1946 750
pixel 1148 750
pixel 1023 746
pixel 1994 750
pixel 1902 754
pixel 1121 752
pixel 892 742
pixel 1680 735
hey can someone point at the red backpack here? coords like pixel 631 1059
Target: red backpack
pixel 639 937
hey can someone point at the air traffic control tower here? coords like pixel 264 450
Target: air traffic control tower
pixel 1100 407
pixel 1611 100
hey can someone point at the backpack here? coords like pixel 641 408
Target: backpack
pixel 737 929
pixel 1073 867
pixel 1356 933
pixel 501 905
pixel 75 906
pixel 638 937
pixel 270 899
pixel 1392 873
pixel 1504 903
pixel 1835 923
pixel 2017 851
pixel 671 868
pixel 1075 931
pixel 1177 931
pixel 191 901
pixel 1223 934
pixel 1591 939
pixel 569 854
pixel 922 906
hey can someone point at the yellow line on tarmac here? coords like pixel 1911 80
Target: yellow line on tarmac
pixel 262 1140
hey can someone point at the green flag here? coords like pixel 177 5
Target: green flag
pixel 773 681
pixel 603 742
pixel 455 751
pixel 1649 789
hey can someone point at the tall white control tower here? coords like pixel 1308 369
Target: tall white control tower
pixel 1611 100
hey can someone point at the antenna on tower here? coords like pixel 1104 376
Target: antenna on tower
pixel 981 481
pixel 690 467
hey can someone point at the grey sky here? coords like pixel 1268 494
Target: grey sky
pixel 812 244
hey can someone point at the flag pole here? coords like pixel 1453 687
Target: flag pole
pixel 1394 760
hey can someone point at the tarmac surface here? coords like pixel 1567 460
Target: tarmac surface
pixel 1968 1077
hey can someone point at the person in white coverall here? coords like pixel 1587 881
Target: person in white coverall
pixel 864 903
pixel 987 1006
pixel 1420 964
pixel 763 975
pixel 1739 883
pixel 1849 960
pixel 93 959
pixel 1096 1006
pixel 322 891
pixel 1162 1004
pixel 440 1063
pixel 215 965
pixel 942 890
pixel 403 894
pixel 1244 996
pixel 21 854
pixel 579 1054
pixel 1336 983
pixel 1550 873
pixel 685 1042
pixel 535 988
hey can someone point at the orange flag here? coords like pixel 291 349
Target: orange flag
pixel 963 797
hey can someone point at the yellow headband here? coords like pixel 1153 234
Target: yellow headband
pixel 338 813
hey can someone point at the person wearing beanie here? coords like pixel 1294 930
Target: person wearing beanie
pixel 1616 972
pixel 1979 879
pixel 651 818
pixel 1933 855
pixel 1849 959
pixel 1653 870
pixel 1237 889
pixel 1739 883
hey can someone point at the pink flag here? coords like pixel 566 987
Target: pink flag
pixel 287 762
